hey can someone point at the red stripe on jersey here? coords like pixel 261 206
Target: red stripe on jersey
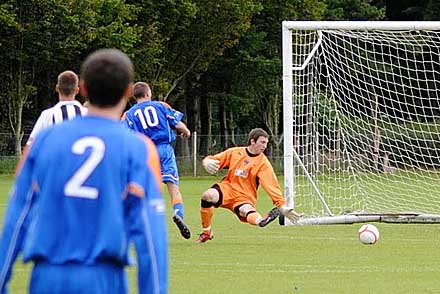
pixel 136 190
pixel 165 104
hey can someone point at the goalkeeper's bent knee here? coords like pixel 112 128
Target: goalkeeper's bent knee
pixel 206 204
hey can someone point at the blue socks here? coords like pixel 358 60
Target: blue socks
pixel 178 209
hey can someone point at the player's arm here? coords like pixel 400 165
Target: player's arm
pixel 145 211
pixel 174 119
pixel 15 222
pixel 127 121
pixel 216 162
pixel 148 232
pixel 269 182
pixel 182 128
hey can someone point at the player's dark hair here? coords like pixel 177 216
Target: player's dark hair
pixel 255 134
pixel 67 82
pixel 140 90
pixel 106 74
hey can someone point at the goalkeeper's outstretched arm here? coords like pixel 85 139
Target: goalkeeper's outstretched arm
pixel 270 184
pixel 290 213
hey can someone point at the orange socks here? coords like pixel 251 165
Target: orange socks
pixel 206 216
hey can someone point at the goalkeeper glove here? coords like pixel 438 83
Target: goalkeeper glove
pixel 211 165
pixel 290 213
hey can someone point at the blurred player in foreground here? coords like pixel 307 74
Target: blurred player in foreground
pixel 86 189
pixel 157 120
pixel 248 168
pixel 67 107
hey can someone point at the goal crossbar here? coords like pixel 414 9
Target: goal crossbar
pixel 361 25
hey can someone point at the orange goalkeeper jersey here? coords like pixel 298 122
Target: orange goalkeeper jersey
pixel 247 172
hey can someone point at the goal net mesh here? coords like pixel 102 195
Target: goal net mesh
pixel 366 121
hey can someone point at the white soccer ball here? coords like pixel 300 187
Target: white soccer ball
pixel 368 234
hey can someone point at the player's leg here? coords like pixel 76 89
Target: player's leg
pixel 170 176
pixel 176 200
pixel 247 212
pixel 211 199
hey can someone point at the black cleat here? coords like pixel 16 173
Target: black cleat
pixel 270 217
pixel 183 228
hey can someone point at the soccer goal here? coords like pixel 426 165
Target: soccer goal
pixel 362 121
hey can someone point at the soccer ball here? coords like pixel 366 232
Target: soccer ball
pixel 368 234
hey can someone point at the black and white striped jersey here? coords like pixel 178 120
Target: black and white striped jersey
pixel 63 110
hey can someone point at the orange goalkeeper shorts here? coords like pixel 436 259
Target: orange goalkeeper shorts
pixel 231 199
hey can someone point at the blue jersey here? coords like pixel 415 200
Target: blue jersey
pixel 156 119
pixel 87 188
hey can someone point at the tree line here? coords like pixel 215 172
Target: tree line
pixel 219 62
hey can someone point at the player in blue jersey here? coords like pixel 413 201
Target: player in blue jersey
pixel 157 120
pixel 86 190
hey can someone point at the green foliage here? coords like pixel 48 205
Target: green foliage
pixel 8 165
pixel 194 52
pixel 162 23
pixel 192 48
pixel 353 10
pixel 7 20
pixel 432 11
pixel 113 28
pixel 251 70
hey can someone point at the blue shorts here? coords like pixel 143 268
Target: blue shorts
pixel 168 165
pixel 78 279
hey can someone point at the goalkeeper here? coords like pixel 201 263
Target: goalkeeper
pixel 248 168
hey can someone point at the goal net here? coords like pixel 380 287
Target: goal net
pixel 362 121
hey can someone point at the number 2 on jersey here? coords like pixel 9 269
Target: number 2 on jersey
pixel 148 117
pixel 75 186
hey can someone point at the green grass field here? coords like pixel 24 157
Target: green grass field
pixel 295 259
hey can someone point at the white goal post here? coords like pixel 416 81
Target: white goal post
pixel 361 117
